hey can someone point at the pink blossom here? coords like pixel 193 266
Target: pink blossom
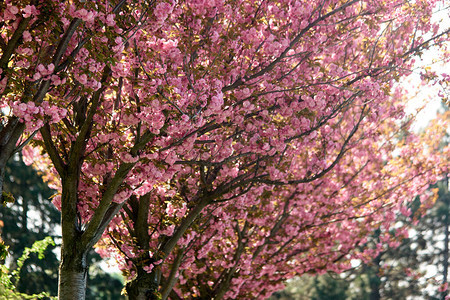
pixel 110 20
pixel 170 210
pixel 37 76
pixel 26 36
pixel 29 10
pixel 3 83
pixel 12 9
pixel 162 11
pixel 148 268
pixel 83 79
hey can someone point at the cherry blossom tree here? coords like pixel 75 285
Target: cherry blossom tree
pixel 245 244
pixel 239 126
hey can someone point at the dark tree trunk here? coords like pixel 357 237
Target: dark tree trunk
pixel 446 239
pixel 374 279
pixel 9 135
pixel 145 285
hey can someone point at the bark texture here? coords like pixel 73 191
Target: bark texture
pixel 72 278
pixel 144 286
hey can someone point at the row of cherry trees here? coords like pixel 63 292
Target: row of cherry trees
pixel 224 146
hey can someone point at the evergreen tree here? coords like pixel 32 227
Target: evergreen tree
pixel 33 217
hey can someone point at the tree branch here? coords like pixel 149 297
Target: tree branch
pixel 270 66
pixel 13 43
pixel 50 147
pixel 172 279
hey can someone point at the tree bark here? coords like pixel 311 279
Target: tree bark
pixel 446 239
pixel 9 135
pixel 72 278
pixel 374 279
pixel 145 285
pixel 73 266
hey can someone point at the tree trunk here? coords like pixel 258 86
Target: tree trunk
pixel 9 135
pixel 72 277
pixel 24 213
pixel 374 279
pixel 73 266
pixel 446 239
pixel 145 285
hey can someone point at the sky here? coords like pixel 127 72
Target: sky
pixel 427 95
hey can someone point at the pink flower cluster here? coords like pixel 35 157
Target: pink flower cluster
pixel 12 12
pixel 35 116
